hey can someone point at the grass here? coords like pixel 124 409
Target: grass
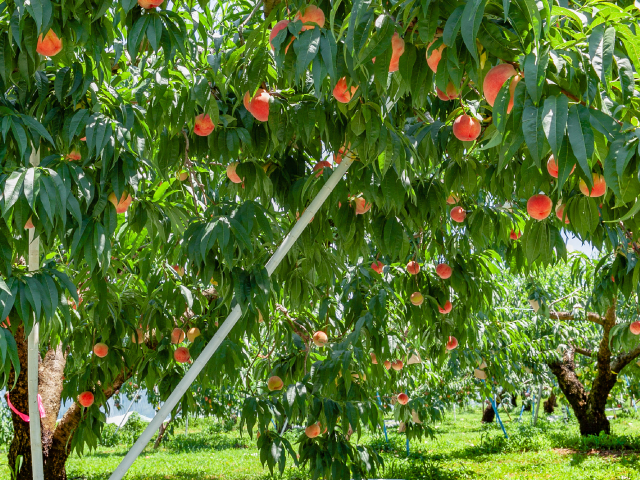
pixel 463 449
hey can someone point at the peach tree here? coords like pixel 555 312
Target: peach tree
pixel 180 141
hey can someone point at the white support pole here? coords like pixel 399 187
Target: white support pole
pixel 200 362
pixel 33 357
pixel 535 418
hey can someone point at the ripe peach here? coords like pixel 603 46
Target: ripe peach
pixel 337 157
pixel 458 214
pixel 495 79
pixel 149 4
pixel 193 333
pixel 552 167
pixel 444 271
pixel 397 45
pixel 515 235
pixel 203 125
pixel 319 167
pixel 452 199
pixel 231 173
pixel 138 337
pixel 29 224
pixel 599 186
pixel 452 343
pixel 635 328
pixel 397 365
pixel 387 364
pixel 177 335
pixel 259 105
pixel 50 45
pixel 281 25
pixel 182 175
pixel 361 206
pixel 377 267
pixel 446 308
pixel 539 206
pixel 403 398
pixel 416 299
pixel 413 267
pixel 101 350
pixel 341 93
pixel 73 155
pixel 450 94
pixel 312 431
pixel 374 360
pixel 85 399
pixel 466 128
pixel 123 204
pixel 320 338
pixel 275 383
pixel 434 58
pixel 179 270
pixel 311 14
pixel 560 212
pixel 181 355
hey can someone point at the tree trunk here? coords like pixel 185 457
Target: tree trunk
pixel 550 404
pixel 488 415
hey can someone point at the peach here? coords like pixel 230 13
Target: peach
pixel 149 4
pixel 515 235
pixel 560 213
pixel 258 106
pixel 374 360
pixel 50 45
pixel 179 270
pixel 341 93
pixel 181 355
pixel 450 93
pixel 466 128
pixel 101 350
pixel 397 45
pixel 182 175
pixel 320 338
pixel 635 328
pixel 458 214
pixel 444 271
pixel 7 324
pixel 552 167
pixel 434 58
pixel 403 398
pixel 377 267
pixel 275 383
pixel 495 79
pixel 231 173
pixel 452 343
pixel 311 14
pixel 73 155
pixel 193 333
pixel 123 204
pixel 387 364
pixel 397 365
pixel 539 206
pixel 361 206
pixel 177 335
pixel 446 308
pixel 312 431
pixel 413 267
pixel 281 25
pixel 203 125
pixel 416 299
pixel 319 167
pixel 599 186
pixel 138 337
pixel 452 199
pixel 29 224
pixel 342 153
pixel 85 399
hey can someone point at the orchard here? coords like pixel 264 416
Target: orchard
pixel 313 206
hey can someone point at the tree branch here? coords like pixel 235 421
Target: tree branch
pixel 625 359
pixel 591 317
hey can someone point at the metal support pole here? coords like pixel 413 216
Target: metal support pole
pixel 384 427
pixel 522 409
pixel 535 418
pixel 33 357
pixel 495 410
pixel 454 413
pixel 128 408
pixel 186 425
pixel 284 427
pixel 224 330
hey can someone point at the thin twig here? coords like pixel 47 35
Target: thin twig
pixel 255 8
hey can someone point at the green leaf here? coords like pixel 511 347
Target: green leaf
pixel 452 27
pixel 471 20
pixel 627 80
pixel 306 48
pixel 532 130
pixel 37 126
pixel 554 120
pixel 601 45
pixel 535 73
pixel 581 136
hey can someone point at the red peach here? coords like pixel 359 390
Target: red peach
pixel 101 350
pixel 275 383
pixel 434 58
pixel 495 79
pixel 397 365
pixel 281 25
pixel 361 206
pixel 123 204
pixel 149 4
pixel 178 269
pixel 635 328
pixel 552 167
pixel 452 199
pixel 539 206
pixel 458 214
pixel 515 235
pixel 311 14
pixel 319 167
pixel 413 267
pixel 341 93
pixel 312 431
pixel 446 308
pixel 397 45
pixel 29 224
pixel 387 364
pixel 203 125
pixel 231 173
pixel 74 155
pixel 444 271
pixel 86 399
pixel 599 186
pixel 374 360
pixel 403 398
pixel 259 105
pixel 466 128
pixel 560 213
pixel 181 355
pixel 416 299
pixel 50 45
pixel 450 94
pixel 377 267
pixel 177 336
pixel 452 343
pixel 320 338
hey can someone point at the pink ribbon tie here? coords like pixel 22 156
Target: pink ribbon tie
pixel 25 418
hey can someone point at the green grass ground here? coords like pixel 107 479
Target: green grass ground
pixel 463 449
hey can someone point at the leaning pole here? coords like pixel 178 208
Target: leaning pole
pixel 33 356
pixel 228 324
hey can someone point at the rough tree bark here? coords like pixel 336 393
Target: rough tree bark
pixel 589 407
pixel 488 415
pixel 550 404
